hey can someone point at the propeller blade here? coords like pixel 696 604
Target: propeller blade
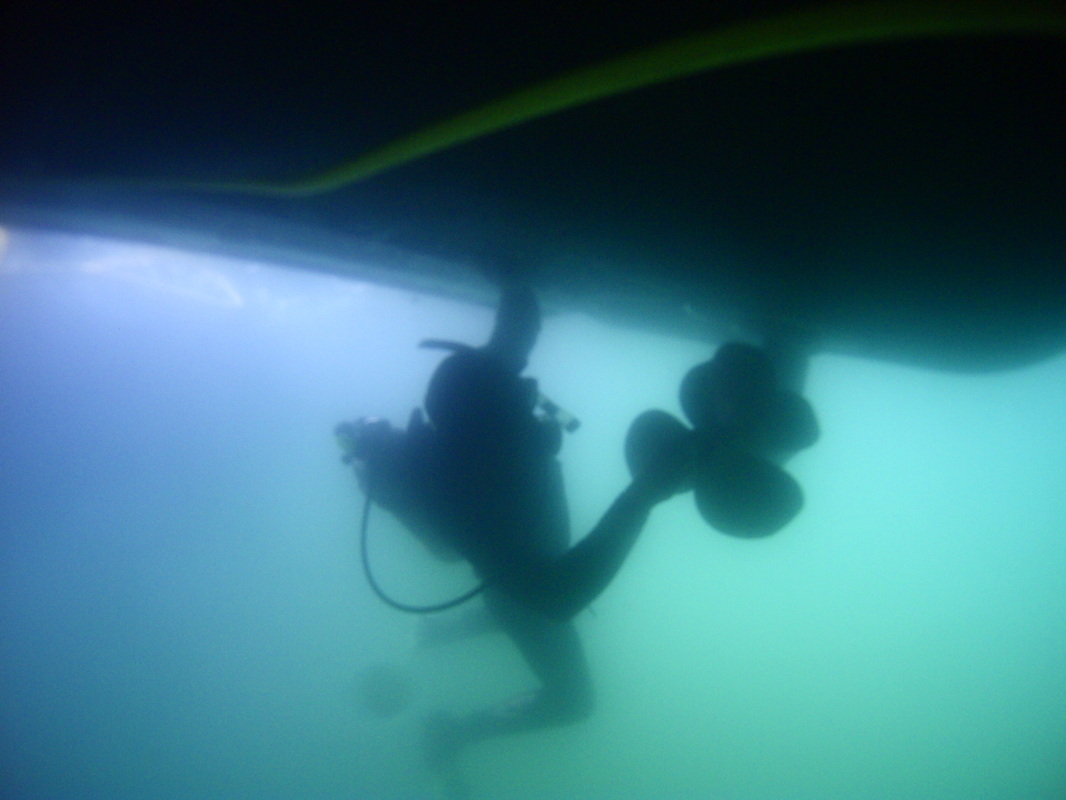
pixel 715 392
pixel 742 495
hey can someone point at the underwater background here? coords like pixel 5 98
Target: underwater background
pixel 183 612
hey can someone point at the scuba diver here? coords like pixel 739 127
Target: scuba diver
pixel 480 480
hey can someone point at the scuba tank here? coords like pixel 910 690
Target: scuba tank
pixel 369 439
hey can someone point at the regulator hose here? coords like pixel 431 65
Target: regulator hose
pixel 382 594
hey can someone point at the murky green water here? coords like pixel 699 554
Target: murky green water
pixel 183 612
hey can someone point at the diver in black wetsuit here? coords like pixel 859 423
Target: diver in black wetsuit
pixel 481 479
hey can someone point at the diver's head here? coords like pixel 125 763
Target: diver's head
pixel 471 393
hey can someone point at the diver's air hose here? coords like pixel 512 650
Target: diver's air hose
pixel 385 598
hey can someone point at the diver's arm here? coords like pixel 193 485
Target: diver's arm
pixel 561 587
pixel 585 570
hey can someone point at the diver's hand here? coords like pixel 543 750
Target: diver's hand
pixel 671 475
pixel 377 452
pixel 659 451
pixel 673 478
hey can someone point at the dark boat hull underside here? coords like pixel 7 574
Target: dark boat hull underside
pixel 902 201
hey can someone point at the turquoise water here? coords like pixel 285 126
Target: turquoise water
pixel 183 612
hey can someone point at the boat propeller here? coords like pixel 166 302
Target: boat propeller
pixel 744 426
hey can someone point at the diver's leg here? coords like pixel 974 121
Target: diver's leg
pixel 553 651
pixel 435 630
